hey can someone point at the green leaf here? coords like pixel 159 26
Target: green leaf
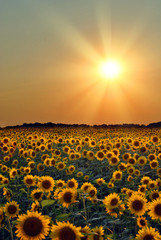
pixel 45 203
pixel 23 190
pixel 63 217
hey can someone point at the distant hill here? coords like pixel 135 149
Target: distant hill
pixel 50 125
pixel 154 125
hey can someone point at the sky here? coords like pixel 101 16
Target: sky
pixel 50 52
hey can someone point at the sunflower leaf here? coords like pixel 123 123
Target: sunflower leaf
pixel 45 203
pixel 62 217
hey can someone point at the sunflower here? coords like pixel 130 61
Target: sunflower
pixel 152 184
pixel 85 186
pixel 154 164
pixel 34 206
pixel 142 188
pixel 79 174
pixel 32 225
pixel 114 160
pixel 56 193
pixel 60 183
pixel 65 231
pixel 155 209
pixel 98 233
pixel 100 155
pixel 147 233
pixel 71 168
pixel 11 209
pixel 100 181
pixel 36 195
pixel 67 196
pixel 159 172
pixel 86 177
pixel 142 222
pixel 60 166
pixel 145 180
pixel 92 192
pixel 90 155
pixel 142 160
pixel 117 175
pixel 85 232
pixel 137 204
pixel 112 201
pixel 46 183
pixel 29 180
pixel 72 183
pixel 13 173
pixel 7 193
pixel 40 167
pixel 122 167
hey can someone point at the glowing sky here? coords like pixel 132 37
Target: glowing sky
pixel 49 55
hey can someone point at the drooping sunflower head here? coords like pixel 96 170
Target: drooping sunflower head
pixel 46 183
pixel 65 231
pixel 32 225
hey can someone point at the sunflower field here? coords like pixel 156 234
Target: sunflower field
pixel 80 183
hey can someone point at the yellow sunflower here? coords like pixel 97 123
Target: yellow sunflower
pixel 92 192
pixel 85 232
pixel 36 195
pixel 46 183
pixel 60 166
pixel 100 181
pixel 142 222
pixel 85 186
pixel 98 233
pixel 142 160
pixel 29 180
pixel 67 196
pixel 72 183
pixel 100 155
pixel 117 175
pixel 60 183
pixel 65 231
pixel 11 209
pixel 137 204
pixel 32 226
pixel 147 233
pixel 155 209
pixel 112 201
pixel 154 195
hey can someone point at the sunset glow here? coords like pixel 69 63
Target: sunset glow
pixel 110 69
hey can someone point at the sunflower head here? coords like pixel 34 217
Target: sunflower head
pixel 11 209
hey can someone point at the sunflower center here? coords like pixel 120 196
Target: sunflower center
pixel 142 222
pixel 158 209
pixel 37 195
pixel 12 209
pixel 67 234
pixel 71 184
pixel 155 195
pixel 114 160
pixel 137 205
pixel 46 184
pixel 148 237
pixel 118 176
pixel 29 181
pixel 114 201
pixel 92 193
pixel 68 197
pixel 32 226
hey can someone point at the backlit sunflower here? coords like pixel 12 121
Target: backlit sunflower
pixel 137 204
pixel 148 234
pixel 32 226
pixel 67 196
pixel 142 222
pixel 46 183
pixel 155 209
pixel 112 201
pixel 11 209
pixel 65 231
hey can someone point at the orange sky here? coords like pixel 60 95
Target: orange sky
pixel 50 53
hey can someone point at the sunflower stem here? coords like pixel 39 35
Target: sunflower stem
pixel 85 212
pixel 10 227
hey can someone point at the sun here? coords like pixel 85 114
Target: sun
pixel 110 69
